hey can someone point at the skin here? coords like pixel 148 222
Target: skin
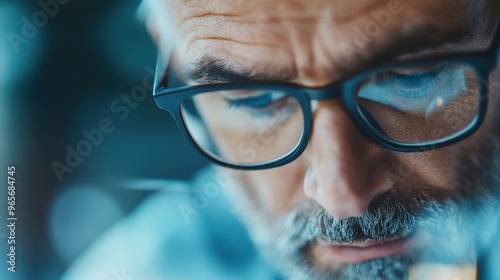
pixel 340 170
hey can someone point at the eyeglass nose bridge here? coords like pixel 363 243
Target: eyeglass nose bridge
pixel 345 91
pixel 320 94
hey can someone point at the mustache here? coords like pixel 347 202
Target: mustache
pixel 389 215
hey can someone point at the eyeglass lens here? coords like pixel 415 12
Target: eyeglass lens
pixel 421 103
pixel 409 105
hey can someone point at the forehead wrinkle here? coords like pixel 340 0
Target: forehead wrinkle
pixel 256 9
pixel 277 29
pixel 238 29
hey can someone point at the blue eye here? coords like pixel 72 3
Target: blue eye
pixel 255 102
pixel 411 84
pixel 417 89
pixel 264 104
pixel 414 80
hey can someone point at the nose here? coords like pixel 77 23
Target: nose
pixel 346 171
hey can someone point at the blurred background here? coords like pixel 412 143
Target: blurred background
pixel 62 69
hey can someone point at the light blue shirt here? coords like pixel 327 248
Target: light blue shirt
pixel 158 242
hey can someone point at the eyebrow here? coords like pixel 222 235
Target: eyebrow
pixel 209 69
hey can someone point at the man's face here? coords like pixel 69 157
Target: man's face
pixel 347 207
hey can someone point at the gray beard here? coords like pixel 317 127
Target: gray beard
pixel 461 225
pixel 457 234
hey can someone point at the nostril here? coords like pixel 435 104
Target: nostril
pixel 340 195
pixel 347 210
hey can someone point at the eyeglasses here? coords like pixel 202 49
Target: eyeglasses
pixel 405 107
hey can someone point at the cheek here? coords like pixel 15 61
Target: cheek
pixel 444 167
pixel 277 190
pixel 493 117
pixel 448 167
pixel 435 168
pixel 272 191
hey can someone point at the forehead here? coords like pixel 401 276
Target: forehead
pixel 321 39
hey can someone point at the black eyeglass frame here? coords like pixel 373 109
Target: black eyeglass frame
pixel 171 98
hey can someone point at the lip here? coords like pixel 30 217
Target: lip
pixel 367 250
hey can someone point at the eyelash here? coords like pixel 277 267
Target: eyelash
pixel 252 102
pixel 261 105
pixel 430 79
